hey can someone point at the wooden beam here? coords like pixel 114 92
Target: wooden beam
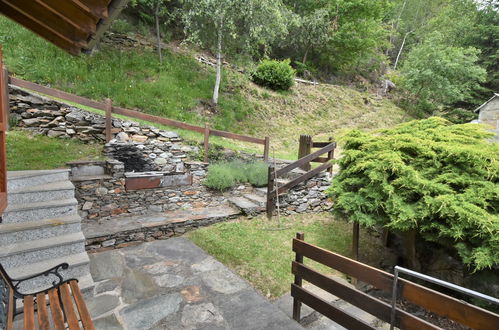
pixel 80 17
pixel 32 24
pixel 98 8
pixel 53 21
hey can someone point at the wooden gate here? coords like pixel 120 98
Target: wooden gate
pixel 4 106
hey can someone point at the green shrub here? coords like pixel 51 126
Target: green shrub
pixel 429 177
pixel 276 75
pixel 225 175
pixel 219 177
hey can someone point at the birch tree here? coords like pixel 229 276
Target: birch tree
pixel 229 26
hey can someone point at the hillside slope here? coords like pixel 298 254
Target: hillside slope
pixel 181 89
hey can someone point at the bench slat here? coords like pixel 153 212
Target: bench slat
pixel 29 313
pixel 85 318
pixel 43 317
pixel 10 315
pixel 55 308
pixel 67 304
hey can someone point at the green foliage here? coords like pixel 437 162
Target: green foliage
pixel 225 175
pixel 438 75
pixel 276 75
pixel 439 179
pixel 121 26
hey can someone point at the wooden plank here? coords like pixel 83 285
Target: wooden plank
pixel 320 144
pixel 454 309
pixel 155 119
pixel 55 309
pixel 52 20
pixel 237 136
pixel 32 24
pixel 43 316
pixel 359 299
pixel 67 304
pixel 378 278
pixel 97 7
pixel 75 13
pixel 10 312
pixel 321 160
pixel 4 113
pixel 328 310
pixel 300 179
pixel 271 203
pixel 306 159
pixel 85 318
pixel 57 93
pixel 29 313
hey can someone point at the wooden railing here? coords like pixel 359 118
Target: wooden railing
pixel 433 301
pixel 274 190
pixel 110 110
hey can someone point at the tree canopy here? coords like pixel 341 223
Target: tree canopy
pixel 429 176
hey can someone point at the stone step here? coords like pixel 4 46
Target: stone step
pixel 21 253
pixel 42 193
pixel 24 179
pixel 78 269
pixel 25 231
pixel 257 199
pixel 261 191
pixel 40 210
pixel 245 205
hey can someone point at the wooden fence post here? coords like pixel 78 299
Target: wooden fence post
pixel 109 119
pixel 206 141
pixel 330 156
pixel 305 149
pixel 266 148
pixel 298 282
pixel 270 187
pixel 355 245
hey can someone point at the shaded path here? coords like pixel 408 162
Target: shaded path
pixel 173 284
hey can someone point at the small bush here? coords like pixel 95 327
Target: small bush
pixel 276 75
pixel 222 176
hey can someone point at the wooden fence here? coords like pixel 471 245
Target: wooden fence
pixel 274 190
pixel 110 110
pixel 433 301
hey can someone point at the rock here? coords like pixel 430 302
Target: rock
pixel 87 206
pixel 160 161
pixel 77 117
pixel 122 137
pixel 108 243
pixel 31 122
pixel 139 138
pixel 302 208
pixel 146 313
pixel 102 304
pixel 168 134
pixel 106 266
pixel 108 323
pixel 201 314
pixel 70 131
pixel 54 134
pixel 101 191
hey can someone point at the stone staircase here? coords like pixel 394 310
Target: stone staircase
pixel 41 228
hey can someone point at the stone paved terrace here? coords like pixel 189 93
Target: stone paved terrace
pixel 173 284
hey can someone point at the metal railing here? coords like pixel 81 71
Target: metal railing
pixel 434 280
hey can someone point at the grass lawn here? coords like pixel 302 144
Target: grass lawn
pixel 37 152
pixel 264 256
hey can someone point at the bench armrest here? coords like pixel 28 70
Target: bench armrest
pixel 51 271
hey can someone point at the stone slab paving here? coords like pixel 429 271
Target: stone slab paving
pixel 173 284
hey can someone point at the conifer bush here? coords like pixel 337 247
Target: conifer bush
pixel 276 75
pixel 430 176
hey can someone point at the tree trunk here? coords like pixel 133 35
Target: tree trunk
pixel 219 67
pixel 305 56
pixel 158 36
pixel 400 50
pixel 410 250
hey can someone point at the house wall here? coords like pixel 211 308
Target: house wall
pixel 489 114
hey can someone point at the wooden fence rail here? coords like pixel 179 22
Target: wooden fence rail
pixel 110 109
pixel 274 190
pixel 433 301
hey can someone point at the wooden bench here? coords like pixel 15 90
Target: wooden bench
pixel 64 299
